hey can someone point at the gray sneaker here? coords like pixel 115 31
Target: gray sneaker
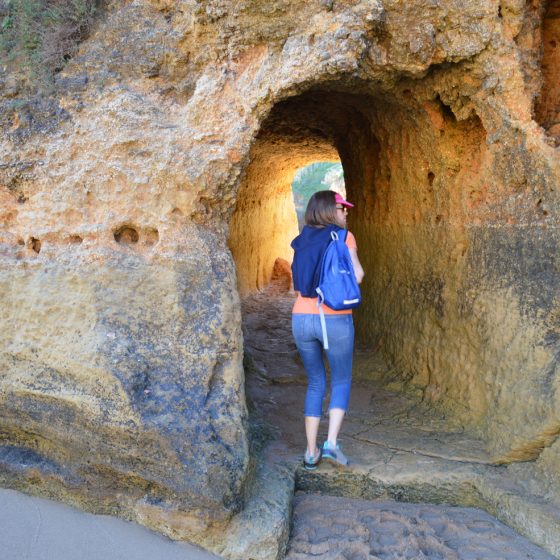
pixel 310 462
pixel 334 454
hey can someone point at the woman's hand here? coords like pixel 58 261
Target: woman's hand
pixel 358 270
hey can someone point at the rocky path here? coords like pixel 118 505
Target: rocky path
pixel 327 527
pixel 401 451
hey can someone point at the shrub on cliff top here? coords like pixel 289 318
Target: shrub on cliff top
pixel 37 37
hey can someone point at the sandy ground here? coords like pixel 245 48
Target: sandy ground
pixel 37 529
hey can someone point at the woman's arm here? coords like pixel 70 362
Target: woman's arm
pixel 358 270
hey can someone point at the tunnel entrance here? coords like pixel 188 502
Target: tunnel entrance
pixel 319 126
pixel 411 168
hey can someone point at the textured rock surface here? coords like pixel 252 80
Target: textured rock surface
pixel 122 383
pixel 328 527
pixel 114 388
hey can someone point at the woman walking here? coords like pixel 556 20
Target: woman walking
pixel 325 213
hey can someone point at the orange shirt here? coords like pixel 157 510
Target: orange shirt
pixel 309 305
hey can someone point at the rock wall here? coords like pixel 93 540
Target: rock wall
pixel 175 131
pixel 264 221
pixel 546 109
pixel 120 390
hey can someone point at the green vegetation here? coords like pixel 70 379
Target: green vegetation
pixel 37 37
pixel 319 176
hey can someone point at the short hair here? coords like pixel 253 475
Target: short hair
pixel 321 209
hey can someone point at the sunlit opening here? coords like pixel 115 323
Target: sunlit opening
pixel 318 176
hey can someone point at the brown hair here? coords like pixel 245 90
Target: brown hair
pixel 321 209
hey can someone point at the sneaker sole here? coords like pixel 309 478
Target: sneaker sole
pixel 333 461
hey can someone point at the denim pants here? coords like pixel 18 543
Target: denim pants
pixel 306 329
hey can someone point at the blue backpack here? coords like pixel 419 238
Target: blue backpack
pixel 338 287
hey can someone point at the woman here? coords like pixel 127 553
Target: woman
pixel 326 212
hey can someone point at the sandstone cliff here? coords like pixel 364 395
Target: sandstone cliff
pixel 165 160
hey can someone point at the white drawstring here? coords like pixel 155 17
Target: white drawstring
pixel 320 300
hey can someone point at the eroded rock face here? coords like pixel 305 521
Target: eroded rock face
pixel 181 127
pixel 120 386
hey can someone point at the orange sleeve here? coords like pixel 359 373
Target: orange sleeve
pixel 351 241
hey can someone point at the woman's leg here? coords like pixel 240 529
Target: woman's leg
pixel 340 330
pixel 311 431
pixel 336 415
pixel 310 350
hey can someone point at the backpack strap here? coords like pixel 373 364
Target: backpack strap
pixel 334 238
pixel 320 300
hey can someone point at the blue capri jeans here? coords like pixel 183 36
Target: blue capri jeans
pixel 306 329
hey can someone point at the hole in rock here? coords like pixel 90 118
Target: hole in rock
pixel 387 146
pixel 547 106
pixel 74 239
pixel 309 129
pixel 126 235
pixel 151 236
pixel 34 244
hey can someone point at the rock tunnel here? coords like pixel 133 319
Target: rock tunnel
pixel 402 158
pixel 418 175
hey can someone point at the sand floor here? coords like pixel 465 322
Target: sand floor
pixel 33 528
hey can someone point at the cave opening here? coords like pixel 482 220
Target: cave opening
pixel 413 170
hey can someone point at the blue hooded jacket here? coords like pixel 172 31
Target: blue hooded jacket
pixel 309 247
